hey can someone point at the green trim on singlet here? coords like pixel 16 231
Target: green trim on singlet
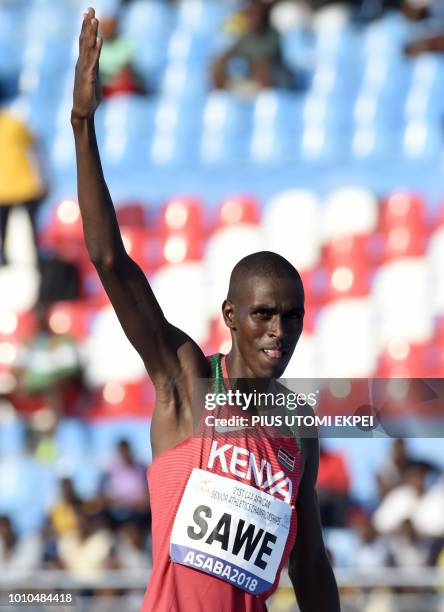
pixel 218 386
pixel 217 374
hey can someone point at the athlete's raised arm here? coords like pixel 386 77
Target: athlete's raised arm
pixel 309 567
pixel 170 356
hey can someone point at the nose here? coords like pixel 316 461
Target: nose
pixel 276 327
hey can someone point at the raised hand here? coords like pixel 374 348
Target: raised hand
pixel 86 96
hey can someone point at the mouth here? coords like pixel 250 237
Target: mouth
pixel 273 354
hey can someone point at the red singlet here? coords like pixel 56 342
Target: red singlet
pixel 270 466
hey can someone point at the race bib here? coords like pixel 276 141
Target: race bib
pixel 231 531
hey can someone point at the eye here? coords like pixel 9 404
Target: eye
pixel 296 315
pixel 262 314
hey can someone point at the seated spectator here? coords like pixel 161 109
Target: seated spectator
pixel 392 470
pixel 124 488
pixel 407 548
pixel 431 12
pixel 401 502
pixel 18 553
pixel 372 550
pixel 117 73
pixel 21 178
pixel 333 488
pixel 49 365
pixel 63 514
pixel 258 48
pixel 85 551
pixel 132 547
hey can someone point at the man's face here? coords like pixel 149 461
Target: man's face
pixel 266 322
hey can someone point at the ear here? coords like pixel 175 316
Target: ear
pixel 228 312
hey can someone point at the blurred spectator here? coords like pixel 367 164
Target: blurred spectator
pixel 407 548
pixel 372 550
pixel 401 502
pixel 124 488
pixel 117 73
pixel 333 487
pixel 49 364
pixel 85 550
pixel 64 512
pixel 21 178
pixel 392 471
pixel 132 547
pixel 18 553
pixel 258 49
pixel 431 38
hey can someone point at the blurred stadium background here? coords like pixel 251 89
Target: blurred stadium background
pixel 342 173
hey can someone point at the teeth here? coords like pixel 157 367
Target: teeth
pixel 273 353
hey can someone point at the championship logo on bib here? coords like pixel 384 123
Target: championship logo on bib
pixel 230 530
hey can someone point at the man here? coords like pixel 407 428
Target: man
pixel 235 565
pixel 22 183
pixel 259 48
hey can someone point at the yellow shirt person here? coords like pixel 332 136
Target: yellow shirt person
pixel 21 180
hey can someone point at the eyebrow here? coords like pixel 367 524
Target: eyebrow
pixel 268 308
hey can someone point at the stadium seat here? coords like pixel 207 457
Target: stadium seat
pixel 304 362
pixel 105 434
pixel 402 302
pixel 17 326
pixel 342 354
pixel 403 226
pixel 276 127
pixel 19 287
pixel 176 132
pixel 435 257
pixel 131 214
pixel 136 242
pixel 108 353
pixel 403 359
pixel 12 432
pixel 180 229
pixel 184 279
pixel 236 236
pixel 291 227
pixel 349 211
pixel 72 317
pixel 71 437
pixel 226 128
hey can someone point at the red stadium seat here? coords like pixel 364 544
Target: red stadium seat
pixel 345 281
pixel 403 226
pixel 64 232
pixel 136 243
pixel 402 359
pixel 238 209
pixel 347 251
pixel 180 229
pixel 72 317
pixel 131 214
pixel 17 327
pixel 118 399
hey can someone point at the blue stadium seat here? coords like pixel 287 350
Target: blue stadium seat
pixel 71 438
pixel 203 16
pixel 277 121
pixel 19 478
pixel 12 438
pixel 148 24
pixel 227 128
pixel 106 434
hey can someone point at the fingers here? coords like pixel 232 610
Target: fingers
pixel 90 26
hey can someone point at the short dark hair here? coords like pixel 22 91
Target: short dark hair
pixel 264 264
